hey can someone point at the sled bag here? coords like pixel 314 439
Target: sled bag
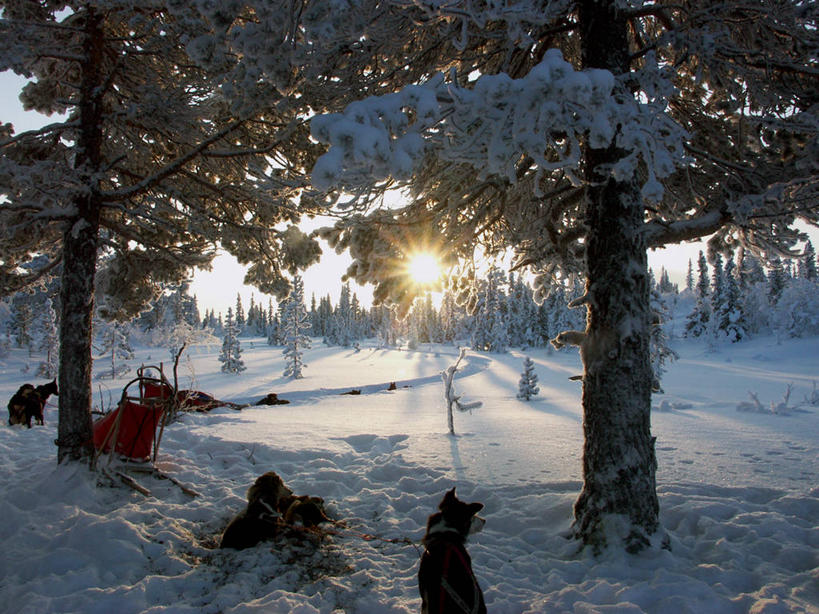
pixel 137 428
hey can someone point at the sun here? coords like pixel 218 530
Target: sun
pixel 423 267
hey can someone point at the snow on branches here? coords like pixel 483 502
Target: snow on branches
pixel 544 116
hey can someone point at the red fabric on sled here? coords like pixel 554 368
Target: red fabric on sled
pixel 151 390
pixel 137 428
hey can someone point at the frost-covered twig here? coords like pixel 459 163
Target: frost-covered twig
pixel 782 408
pixel 453 399
pixel 813 399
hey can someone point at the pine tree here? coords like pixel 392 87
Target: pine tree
pixel 527 386
pixel 620 137
pixel 231 355
pixel 295 322
pixel 160 152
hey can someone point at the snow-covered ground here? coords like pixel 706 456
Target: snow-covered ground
pixel 738 491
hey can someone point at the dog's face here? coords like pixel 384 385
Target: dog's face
pixel 48 389
pixel 456 516
pixel 270 488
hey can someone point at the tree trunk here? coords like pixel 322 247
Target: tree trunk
pixel 74 435
pixel 618 504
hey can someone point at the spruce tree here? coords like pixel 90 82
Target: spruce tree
pixel 777 278
pixel 114 342
pixel 49 366
pixel 807 263
pixel 689 277
pixel 21 325
pixel 717 297
pixel 698 320
pixel 729 318
pixel 527 386
pixel 231 354
pixel 295 323
pixel 660 351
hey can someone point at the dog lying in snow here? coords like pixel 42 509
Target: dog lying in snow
pixel 445 579
pixel 271 508
pixel 29 402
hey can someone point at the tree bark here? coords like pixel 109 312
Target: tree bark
pixel 618 503
pixel 74 434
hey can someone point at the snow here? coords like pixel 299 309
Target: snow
pixel 738 491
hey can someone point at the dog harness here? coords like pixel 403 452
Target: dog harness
pixel 458 590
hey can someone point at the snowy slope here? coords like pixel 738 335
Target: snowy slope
pixel 738 491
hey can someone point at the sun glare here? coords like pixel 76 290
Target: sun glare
pixel 423 268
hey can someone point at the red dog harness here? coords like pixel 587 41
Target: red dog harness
pixel 458 590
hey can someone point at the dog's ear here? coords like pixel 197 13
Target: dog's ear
pixel 474 508
pixel 449 499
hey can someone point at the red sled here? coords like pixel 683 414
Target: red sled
pixel 130 429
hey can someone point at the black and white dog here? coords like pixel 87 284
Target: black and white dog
pixel 445 579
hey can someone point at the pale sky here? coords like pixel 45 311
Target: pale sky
pixel 217 289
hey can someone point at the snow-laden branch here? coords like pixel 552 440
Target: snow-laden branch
pixel 172 167
pixel 545 116
pixel 56 127
pixel 658 233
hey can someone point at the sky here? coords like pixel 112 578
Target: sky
pixel 218 288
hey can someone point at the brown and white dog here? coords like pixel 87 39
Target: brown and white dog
pixel 29 402
pixel 445 579
pixel 271 508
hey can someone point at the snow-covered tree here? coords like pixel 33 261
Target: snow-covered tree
pixel 21 323
pixel 114 344
pixel 728 316
pixel 150 162
pixel 717 297
pixel 777 279
pixel 689 277
pixel 295 322
pixel 807 263
pixel 453 399
pixel 49 366
pixel 490 334
pixel 796 313
pixel 231 354
pixel 239 318
pixel 698 320
pixel 653 124
pixel 527 386
pixel 659 348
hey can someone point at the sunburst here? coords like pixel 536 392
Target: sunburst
pixel 423 268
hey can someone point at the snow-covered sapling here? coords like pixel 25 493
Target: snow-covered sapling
pixel 527 387
pixel 230 357
pixel 295 321
pixel 453 399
